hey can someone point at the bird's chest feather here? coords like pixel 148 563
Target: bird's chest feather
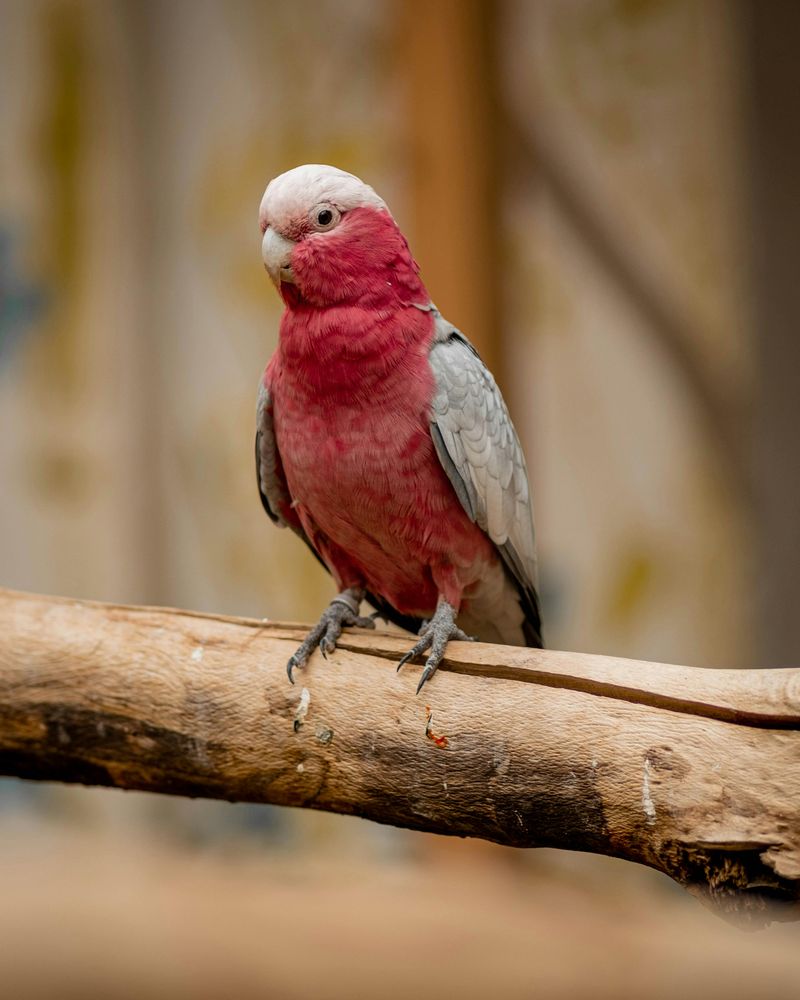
pixel 353 458
pixel 353 433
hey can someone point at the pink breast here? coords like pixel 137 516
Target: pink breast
pixel 370 480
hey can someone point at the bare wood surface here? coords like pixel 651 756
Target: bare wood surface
pixel 694 772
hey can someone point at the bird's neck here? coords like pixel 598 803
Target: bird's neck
pixel 346 348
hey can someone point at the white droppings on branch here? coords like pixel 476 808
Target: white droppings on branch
pixel 302 708
pixel 648 805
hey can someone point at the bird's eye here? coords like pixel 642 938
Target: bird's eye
pixel 324 217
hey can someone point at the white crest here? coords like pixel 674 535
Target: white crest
pixel 297 191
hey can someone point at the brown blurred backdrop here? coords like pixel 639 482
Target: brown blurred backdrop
pixel 604 195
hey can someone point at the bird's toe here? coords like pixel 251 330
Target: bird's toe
pixel 416 650
pixel 290 667
pixel 428 672
pixel 362 622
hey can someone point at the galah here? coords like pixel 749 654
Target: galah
pixel 382 439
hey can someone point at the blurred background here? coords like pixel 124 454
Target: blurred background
pixel 604 195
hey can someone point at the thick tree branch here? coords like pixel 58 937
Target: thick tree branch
pixel 694 772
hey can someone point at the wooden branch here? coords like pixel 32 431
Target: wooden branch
pixel 694 772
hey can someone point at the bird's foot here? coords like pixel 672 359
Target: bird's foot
pixel 435 635
pixel 343 610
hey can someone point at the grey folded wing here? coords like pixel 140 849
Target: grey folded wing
pixel 480 451
pixel 272 486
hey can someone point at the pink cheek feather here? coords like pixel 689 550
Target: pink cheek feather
pixel 365 259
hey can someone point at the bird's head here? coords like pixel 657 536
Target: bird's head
pixel 328 238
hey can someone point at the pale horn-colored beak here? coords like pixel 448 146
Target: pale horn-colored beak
pixel 277 253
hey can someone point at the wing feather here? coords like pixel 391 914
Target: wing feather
pixel 272 485
pixel 482 456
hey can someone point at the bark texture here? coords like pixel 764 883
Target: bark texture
pixel 694 772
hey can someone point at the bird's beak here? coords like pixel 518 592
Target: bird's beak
pixel 277 253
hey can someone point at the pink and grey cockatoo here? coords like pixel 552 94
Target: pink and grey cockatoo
pixel 382 439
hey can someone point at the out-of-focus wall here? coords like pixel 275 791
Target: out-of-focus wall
pixel 634 110
pixel 72 309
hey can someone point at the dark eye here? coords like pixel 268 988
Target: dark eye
pixel 324 217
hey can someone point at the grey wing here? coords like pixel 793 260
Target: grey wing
pixel 480 451
pixel 271 481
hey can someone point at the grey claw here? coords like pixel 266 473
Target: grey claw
pixel 435 635
pixel 416 650
pixel 426 674
pixel 324 634
pixel 327 644
pixel 461 636
pixel 404 660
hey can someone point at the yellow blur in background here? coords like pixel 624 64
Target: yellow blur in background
pixel 585 186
